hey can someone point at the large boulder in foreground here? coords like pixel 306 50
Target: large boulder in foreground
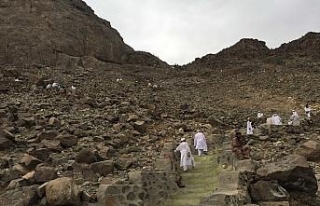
pixel 47 32
pixel 268 191
pixel 293 173
pixel 62 191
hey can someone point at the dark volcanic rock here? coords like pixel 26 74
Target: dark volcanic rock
pixel 23 196
pixel 44 173
pixel 310 150
pixel 86 156
pixel 46 32
pixel 143 58
pixel 5 143
pixel 268 191
pixel 293 173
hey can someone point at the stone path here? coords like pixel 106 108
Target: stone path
pixel 199 182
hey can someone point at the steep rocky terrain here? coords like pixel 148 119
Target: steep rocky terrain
pixel 53 32
pixel 78 102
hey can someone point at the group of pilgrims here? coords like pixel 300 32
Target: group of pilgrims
pixel 275 119
pixel 240 146
pixel 186 157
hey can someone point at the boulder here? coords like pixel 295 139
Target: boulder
pixel 268 191
pixel 62 191
pixel 42 154
pixel 10 174
pixel 4 163
pixel 292 173
pixel 310 150
pixel 54 121
pixel 53 145
pixel 86 156
pixel 44 173
pixel 29 162
pixel 47 134
pixel 83 171
pixel 5 143
pixel 67 140
pixel 20 197
pixel 103 168
pixel 140 126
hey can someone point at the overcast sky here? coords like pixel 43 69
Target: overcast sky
pixel 178 31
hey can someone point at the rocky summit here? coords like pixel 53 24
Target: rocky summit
pixel 86 120
pixel 52 32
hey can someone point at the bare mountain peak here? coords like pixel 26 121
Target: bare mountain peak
pixel 51 32
pixel 309 45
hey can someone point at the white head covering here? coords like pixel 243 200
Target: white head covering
pixel 183 139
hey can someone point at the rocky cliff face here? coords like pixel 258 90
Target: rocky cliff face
pixel 43 32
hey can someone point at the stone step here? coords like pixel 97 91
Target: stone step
pixel 199 182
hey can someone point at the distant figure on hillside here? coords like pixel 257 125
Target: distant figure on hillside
pixel 240 147
pixel 294 119
pixel 200 143
pixel 259 115
pixel 307 110
pixel 249 127
pixel 186 158
pixel 276 120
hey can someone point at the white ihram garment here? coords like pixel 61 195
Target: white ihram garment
pixel 307 110
pixel 295 119
pixel 200 143
pixel 276 120
pixel 249 128
pixel 186 158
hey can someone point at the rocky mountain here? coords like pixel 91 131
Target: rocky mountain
pixel 253 50
pixel 82 114
pixel 243 51
pixel 53 32
pixel 308 45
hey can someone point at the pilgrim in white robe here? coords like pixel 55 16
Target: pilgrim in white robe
pixel 186 158
pixel 276 120
pixel 307 110
pixel 295 119
pixel 249 128
pixel 200 143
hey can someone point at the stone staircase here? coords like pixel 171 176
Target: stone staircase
pixel 199 182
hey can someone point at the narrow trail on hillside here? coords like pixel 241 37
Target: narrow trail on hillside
pixel 199 182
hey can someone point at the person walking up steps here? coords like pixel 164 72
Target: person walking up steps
pixel 186 158
pixel 200 143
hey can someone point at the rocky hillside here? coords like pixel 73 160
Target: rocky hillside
pixel 79 110
pixel 308 45
pixel 53 32
pixel 255 51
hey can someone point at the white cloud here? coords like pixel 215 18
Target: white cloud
pixel 178 31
